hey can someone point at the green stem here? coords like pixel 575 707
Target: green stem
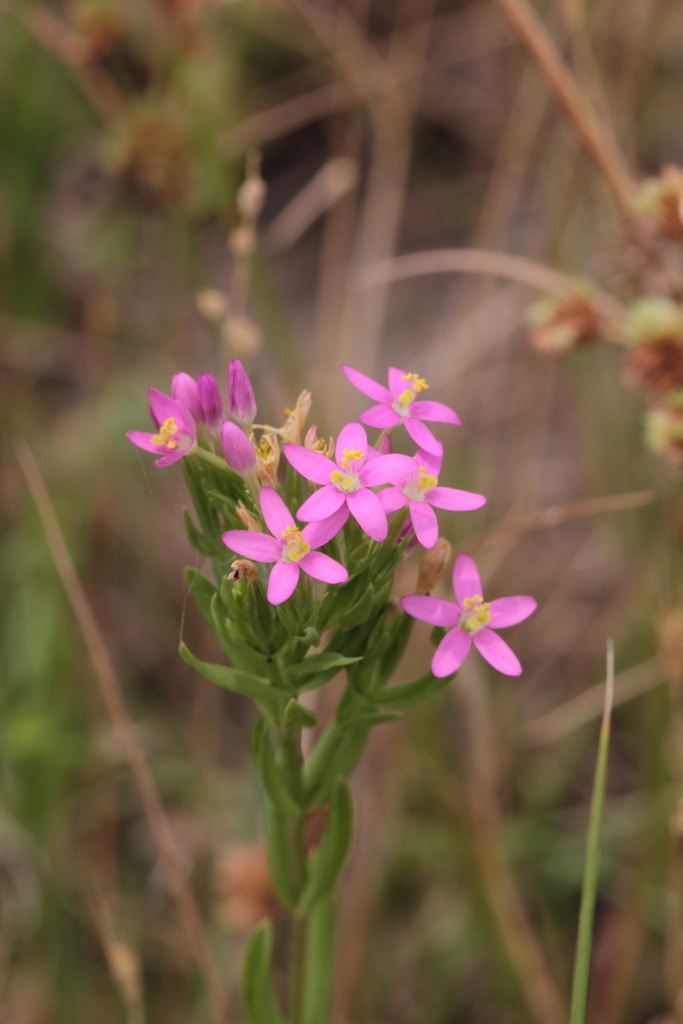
pixel 214 460
pixel 297 969
pixel 584 942
pixel 291 751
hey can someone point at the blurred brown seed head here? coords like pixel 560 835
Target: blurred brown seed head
pixel 212 304
pixel 559 324
pixel 670 644
pixel 243 887
pixel 653 328
pixel 660 200
pixel 242 240
pixel 433 563
pixel 241 336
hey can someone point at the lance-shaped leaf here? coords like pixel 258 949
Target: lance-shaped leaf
pixel 319 962
pixel 318 669
pixel 257 986
pixel 297 717
pixel 283 869
pixel 326 863
pixel 272 776
pixel 201 589
pixel 406 695
pixel 234 679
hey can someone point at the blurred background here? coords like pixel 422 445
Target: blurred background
pixel 130 249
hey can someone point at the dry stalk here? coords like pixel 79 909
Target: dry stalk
pixel 594 134
pixel 112 695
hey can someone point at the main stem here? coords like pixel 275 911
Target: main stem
pixel 298 925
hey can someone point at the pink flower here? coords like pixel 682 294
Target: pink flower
pixel 346 483
pixel 241 401
pixel 176 432
pixel 470 620
pixel 419 490
pixel 290 548
pixel 184 390
pixel 399 404
pixel 238 451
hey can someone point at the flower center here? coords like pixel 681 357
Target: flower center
pixel 407 397
pixel 165 438
pixel 419 483
pixel 476 614
pixel 351 455
pixel 295 545
pixel 346 482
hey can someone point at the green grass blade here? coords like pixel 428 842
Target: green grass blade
pixel 584 942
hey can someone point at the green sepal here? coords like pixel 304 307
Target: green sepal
pixel 297 717
pixel 318 669
pixel 279 853
pixel 405 695
pixel 326 863
pixel 319 970
pixel 258 993
pixel 272 777
pixel 238 681
pixel 199 541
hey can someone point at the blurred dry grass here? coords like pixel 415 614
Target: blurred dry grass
pixel 385 129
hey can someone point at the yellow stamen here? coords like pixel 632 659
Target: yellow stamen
pixel 165 439
pixel 296 546
pixel 406 397
pixel 482 614
pixel 344 482
pixel 266 451
pixel 427 481
pixel 419 383
pixel 351 455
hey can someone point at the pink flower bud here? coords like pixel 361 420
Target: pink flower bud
pixel 238 450
pixel 384 445
pixel 241 401
pixel 210 404
pixel 184 390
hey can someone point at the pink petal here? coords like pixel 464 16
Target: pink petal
pixel 321 504
pixel 466 580
pixel 508 611
pixel 311 465
pixel 284 577
pixel 436 411
pixel 368 513
pixel 365 384
pixel 392 498
pixel 259 546
pixel 397 385
pixel 162 407
pixel 172 457
pixel 318 533
pixel 387 469
pixel 352 436
pixel 451 652
pixel 380 416
pixel 143 439
pixel 422 435
pixel 322 567
pixel 497 652
pixel 275 512
pixel 433 610
pixel 430 460
pixel 454 500
pixel 424 523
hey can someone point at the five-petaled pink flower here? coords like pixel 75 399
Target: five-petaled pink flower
pixel 290 547
pixel 176 431
pixel 399 403
pixel 470 620
pixel 420 489
pixel 345 484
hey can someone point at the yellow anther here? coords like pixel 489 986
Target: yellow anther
pixel 265 451
pixel 295 545
pixel 472 602
pixel 406 397
pixel 351 455
pixel 165 436
pixel 345 482
pixel 419 383
pixel 474 622
pixel 427 481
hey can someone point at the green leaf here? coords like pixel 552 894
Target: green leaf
pixel 272 776
pixel 319 971
pixel 279 852
pixel 328 860
pixel 202 590
pixel 406 695
pixel 234 679
pixel 318 669
pixel 257 986
pixel 199 541
pixel 297 717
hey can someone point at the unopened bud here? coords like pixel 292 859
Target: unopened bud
pixel 210 402
pixel 433 563
pixel 241 401
pixel 184 390
pixel 384 445
pixel 246 518
pixel 243 569
pixel 212 304
pixel 238 451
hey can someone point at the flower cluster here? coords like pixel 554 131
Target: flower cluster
pixel 343 494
